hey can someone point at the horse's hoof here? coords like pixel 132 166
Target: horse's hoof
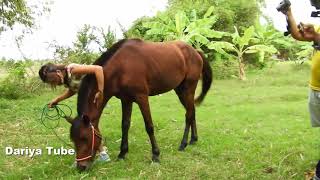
pixel 155 159
pixel 193 141
pixel 182 147
pixel 121 157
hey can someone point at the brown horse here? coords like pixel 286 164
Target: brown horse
pixel 133 71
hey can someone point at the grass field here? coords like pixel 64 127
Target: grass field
pixel 254 129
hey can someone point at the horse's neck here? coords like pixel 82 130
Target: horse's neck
pixel 96 123
pixel 95 114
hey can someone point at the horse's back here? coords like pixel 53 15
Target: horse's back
pixel 155 68
pixel 167 56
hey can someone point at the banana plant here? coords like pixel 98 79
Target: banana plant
pixel 195 31
pixel 305 53
pixel 239 46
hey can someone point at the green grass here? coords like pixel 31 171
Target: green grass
pixel 255 129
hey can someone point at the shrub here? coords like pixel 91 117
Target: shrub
pixel 20 82
pixel 224 69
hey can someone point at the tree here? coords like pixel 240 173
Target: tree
pixel 305 53
pixel 195 31
pixel 84 37
pixel 229 13
pixel 80 52
pixel 240 46
pixel 108 38
pixel 266 35
pixel 14 12
pixel 137 30
pixel 239 13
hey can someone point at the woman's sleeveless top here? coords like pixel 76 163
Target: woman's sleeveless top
pixel 73 80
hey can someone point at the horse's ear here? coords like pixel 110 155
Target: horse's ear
pixel 86 120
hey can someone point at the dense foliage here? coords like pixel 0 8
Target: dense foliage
pixel 14 12
pixel 19 79
pixel 229 13
pixel 211 25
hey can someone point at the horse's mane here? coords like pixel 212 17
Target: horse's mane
pixel 89 80
pixel 109 53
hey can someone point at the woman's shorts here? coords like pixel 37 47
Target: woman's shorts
pixel 314 107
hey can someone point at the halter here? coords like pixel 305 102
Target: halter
pixel 94 133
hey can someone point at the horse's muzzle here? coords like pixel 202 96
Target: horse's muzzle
pixel 81 168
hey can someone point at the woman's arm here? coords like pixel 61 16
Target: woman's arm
pixel 90 69
pixel 66 94
pixel 307 33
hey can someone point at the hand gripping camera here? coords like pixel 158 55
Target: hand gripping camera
pixel 283 7
pixel 316 4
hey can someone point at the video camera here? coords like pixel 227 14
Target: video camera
pixel 316 4
pixel 284 6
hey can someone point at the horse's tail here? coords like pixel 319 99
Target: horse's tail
pixel 206 79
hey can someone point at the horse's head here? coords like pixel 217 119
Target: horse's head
pixel 86 139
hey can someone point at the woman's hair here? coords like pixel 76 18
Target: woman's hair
pixel 48 68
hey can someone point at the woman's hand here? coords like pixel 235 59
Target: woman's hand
pixel 53 103
pixel 98 98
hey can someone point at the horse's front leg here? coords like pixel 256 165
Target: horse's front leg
pixel 126 120
pixel 143 103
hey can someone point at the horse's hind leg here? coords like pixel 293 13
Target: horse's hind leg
pixel 126 120
pixel 143 103
pixel 194 133
pixel 185 92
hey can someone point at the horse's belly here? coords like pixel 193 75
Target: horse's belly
pixel 159 91
pixel 164 84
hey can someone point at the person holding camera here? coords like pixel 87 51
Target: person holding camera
pixel 308 32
